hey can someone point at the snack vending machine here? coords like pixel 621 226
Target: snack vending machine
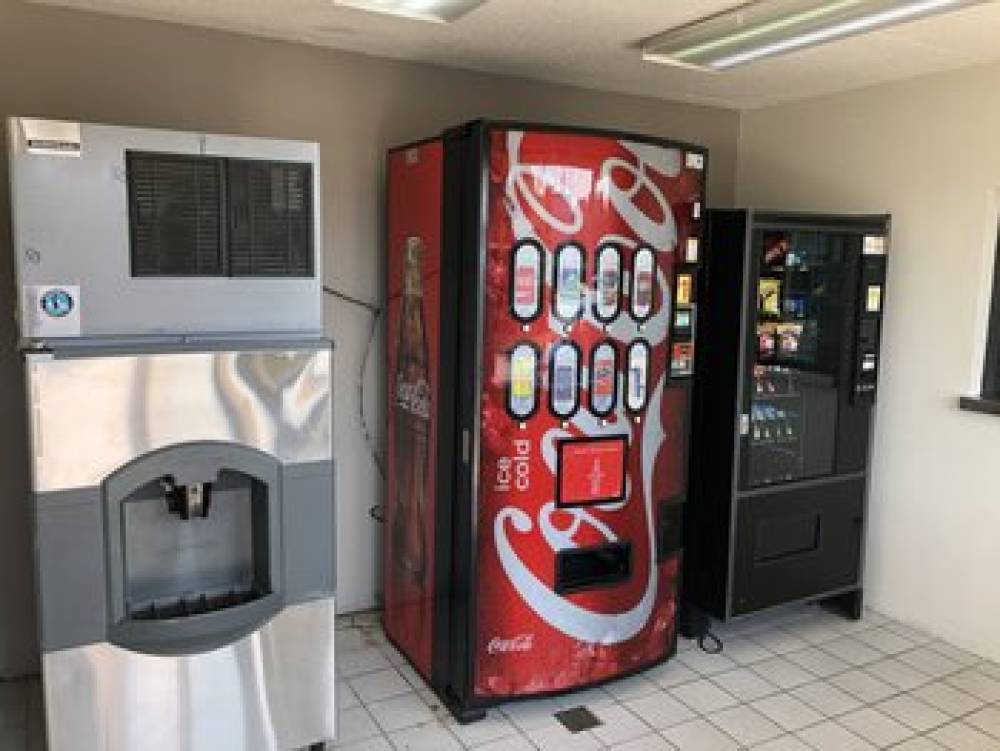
pixel 541 317
pixel 783 410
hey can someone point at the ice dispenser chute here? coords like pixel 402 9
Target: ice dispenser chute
pixel 194 546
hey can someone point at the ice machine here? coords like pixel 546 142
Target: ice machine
pixel 179 401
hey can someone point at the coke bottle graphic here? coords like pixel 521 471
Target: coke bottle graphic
pixel 412 394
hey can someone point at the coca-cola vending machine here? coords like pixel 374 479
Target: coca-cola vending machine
pixel 541 317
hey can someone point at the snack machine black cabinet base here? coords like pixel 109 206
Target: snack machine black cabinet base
pixel 783 406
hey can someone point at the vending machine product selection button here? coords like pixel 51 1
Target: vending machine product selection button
pixel 608 281
pixel 569 280
pixel 527 274
pixel 564 379
pixel 643 279
pixel 603 379
pixel 637 376
pixel 522 385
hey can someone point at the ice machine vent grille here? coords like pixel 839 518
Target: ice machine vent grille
pixel 270 231
pixel 175 215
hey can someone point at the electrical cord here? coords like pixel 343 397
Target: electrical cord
pixel 375 512
pixel 370 307
pixel 695 624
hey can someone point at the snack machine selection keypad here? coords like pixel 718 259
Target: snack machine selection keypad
pixel 605 364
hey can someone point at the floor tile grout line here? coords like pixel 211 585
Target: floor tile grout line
pixel 898 691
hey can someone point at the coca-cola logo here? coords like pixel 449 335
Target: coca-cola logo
pixel 519 643
pixel 415 397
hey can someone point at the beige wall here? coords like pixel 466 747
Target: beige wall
pixel 928 151
pixel 64 64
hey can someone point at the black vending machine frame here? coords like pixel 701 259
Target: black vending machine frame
pixel 726 521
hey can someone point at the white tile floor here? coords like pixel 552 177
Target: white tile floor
pixel 798 680
pixel 795 681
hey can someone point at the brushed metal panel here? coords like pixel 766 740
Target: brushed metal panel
pixel 70 226
pixel 89 415
pixel 270 691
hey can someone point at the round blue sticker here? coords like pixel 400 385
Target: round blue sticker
pixel 57 303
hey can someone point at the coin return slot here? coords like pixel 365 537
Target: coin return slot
pixel 593 567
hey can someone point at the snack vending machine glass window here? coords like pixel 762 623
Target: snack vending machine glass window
pixel 541 320
pixel 783 409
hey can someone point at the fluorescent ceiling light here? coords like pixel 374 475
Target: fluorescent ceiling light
pixel 437 11
pixel 775 27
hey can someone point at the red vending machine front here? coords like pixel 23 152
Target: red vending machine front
pixel 549 496
pixel 413 334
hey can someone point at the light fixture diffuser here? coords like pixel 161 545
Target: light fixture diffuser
pixel 436 11
pixel 774 27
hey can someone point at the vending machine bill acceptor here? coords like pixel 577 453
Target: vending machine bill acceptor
pixel 178 399
pixel 541 336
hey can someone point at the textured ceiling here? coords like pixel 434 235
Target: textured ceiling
pixel 593 43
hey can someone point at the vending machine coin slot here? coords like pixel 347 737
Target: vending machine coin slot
pixel 522 381
pixel 603 379
pixel 608 283
pixel 569 280
pixel 643 281
pixel 527 276
pixel 564 380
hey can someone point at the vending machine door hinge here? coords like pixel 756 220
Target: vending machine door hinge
pixel 466 441
pixel 744 424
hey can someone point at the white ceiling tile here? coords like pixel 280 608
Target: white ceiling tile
pixel 594 43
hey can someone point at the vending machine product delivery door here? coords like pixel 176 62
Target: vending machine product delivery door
pixel 783 409
pixel 541 318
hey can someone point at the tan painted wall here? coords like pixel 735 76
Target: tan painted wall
pixel 58 63
pixel 928 151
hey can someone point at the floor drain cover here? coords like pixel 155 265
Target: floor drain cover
pixel 578 719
